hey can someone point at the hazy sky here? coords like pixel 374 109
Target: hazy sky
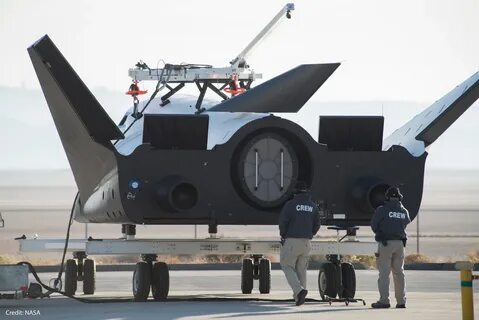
pixel 391 50
pixel 409 50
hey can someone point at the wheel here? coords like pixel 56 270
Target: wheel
pixel 328 280
pixel 71 277
pixel 141 281
pixel 264 276
pixel 160 281
pixel 349 280
pixel 89 270
pixel 247 276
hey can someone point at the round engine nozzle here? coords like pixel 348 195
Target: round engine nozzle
pixel 175 194
pixel 369 193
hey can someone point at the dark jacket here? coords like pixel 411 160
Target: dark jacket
pixel 390 220
pixel 299 218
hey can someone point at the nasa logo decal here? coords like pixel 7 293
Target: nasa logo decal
pixel 134 184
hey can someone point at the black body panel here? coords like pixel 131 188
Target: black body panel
pixel 176 131
pixel 340 180
pixel 174 179
pixel 100 126
pixel 445 120
pixel 351 133
pixel 287 92
pixel 85 129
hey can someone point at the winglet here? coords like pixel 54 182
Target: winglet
pixel 99 125
pixel 427 126
pixel 85 129
pixel 287 92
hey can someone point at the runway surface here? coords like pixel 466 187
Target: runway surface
pixel 431 295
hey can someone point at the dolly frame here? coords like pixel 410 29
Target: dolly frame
pixel 150 249
pixel 227 246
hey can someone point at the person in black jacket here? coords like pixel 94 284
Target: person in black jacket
pixel 389 225
pixel 298 223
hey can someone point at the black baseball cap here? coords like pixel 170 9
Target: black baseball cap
pixel 393 192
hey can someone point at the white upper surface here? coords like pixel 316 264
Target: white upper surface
pixel 406 135
pixel 222 125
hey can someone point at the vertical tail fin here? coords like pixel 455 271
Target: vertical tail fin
pixel 84 127
pixel 426 127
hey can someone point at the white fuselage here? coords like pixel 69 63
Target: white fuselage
pixel 222 125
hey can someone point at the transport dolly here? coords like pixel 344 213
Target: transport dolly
pixel 337 279
pixel 153 274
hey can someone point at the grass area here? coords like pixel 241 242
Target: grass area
pixel 366 261
pixel 14 259
pixel 417 258
pixel 369 261
pixel 105 260
pixel 473 256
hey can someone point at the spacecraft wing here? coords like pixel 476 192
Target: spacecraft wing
pixel 85 129
pixel 287 92
pixel 92 115
pixel 427 126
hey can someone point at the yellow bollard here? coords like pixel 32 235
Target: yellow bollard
pixel 466 289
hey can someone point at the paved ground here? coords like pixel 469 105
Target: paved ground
pixel 432 295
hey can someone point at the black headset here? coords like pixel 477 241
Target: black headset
pixel 393 192
pixel 301 187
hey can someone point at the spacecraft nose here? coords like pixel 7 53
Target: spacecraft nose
pixel 176 194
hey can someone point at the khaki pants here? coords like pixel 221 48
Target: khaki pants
pixel 294 262
pixel 391 257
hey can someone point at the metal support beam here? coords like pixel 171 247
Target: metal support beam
pixel 197 74
pixel 171 92
pixel 189 246
pixel 247 85
pixel 225 85
pixel 201 96
pixel 285 12
pixel 218 91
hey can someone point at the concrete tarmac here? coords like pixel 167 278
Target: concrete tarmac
pixel 431 295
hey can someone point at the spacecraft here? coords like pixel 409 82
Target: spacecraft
pixel 178 159
pixel 187 160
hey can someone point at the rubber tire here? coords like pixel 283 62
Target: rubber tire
pixel 89 270
pixel 247 276
pixel 349 280
pixel 160 281
pixel 142 278
pixel 331 281
pixel 71 277
pixel 264 276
